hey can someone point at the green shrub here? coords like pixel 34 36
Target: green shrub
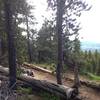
pixel 24 90
pixel 19 71
pixel 47 96
pixel 93 77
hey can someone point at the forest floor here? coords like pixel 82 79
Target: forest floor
pixel 85 92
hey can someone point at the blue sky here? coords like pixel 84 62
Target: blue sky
pixel 89 20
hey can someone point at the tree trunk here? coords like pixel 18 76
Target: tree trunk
pixel 0 47
pixel 11 47
pixel 28 41
pixel 76 77
pixel 60 5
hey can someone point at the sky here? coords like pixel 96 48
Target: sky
pixel 90 20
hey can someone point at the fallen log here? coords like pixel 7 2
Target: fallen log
pixel 3 78
pixel 59 90
pixel 83 82
pixel 37 68
pixel 90 84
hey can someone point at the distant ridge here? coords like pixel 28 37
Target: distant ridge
pixel 90 46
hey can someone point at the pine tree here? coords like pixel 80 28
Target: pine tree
pixel 11 47
pixel 70 11
pixel 60 5
pixel 77 59
pixel 46 43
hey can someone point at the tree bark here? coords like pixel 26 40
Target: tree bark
pixel 60 5
pixel 0 47
pixel 28 40
pixel 76 77
pixel 11 47
pixel 37 68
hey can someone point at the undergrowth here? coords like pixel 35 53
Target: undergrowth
pixel 47 96
pixel 24 90
pixel 93 77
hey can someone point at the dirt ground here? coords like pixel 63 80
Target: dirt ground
pixel 28 97
pixel 85 92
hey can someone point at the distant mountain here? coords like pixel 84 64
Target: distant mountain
pixel 90 46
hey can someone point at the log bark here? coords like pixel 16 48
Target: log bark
pixel 37 68
pixel 60 90
pixel 90 84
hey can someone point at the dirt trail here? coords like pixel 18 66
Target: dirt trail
pixel 85 92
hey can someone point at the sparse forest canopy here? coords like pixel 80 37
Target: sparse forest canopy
pixel 42 45
pixel 20 9
pixel 55 47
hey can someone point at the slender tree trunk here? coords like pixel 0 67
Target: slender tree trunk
pixel 11 47
pixel 28 41
pixel 59 34
pixel 0 47
pixel 98 71
pixel 76 76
